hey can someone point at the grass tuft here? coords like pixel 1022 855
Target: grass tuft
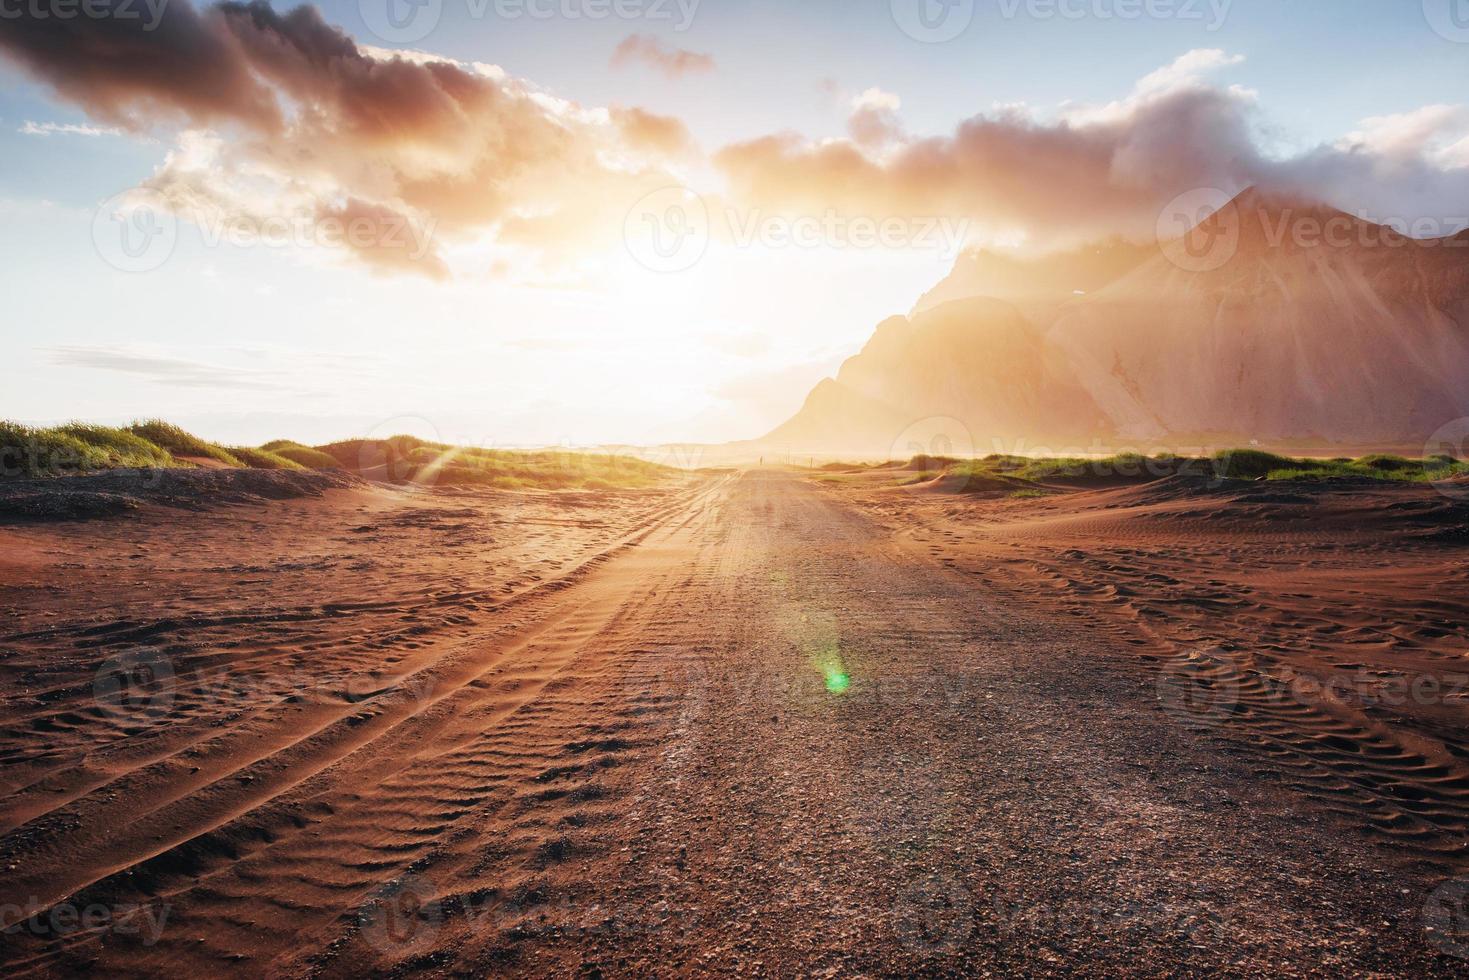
pixel 28 452
pixel 180 443
pixel 260 459
pixel 79 447
pixel 311 459
pixel 122 449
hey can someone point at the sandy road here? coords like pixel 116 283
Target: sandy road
pixel 756 735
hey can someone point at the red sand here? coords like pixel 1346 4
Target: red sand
pixel 757 724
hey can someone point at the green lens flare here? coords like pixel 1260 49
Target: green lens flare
pixel 837 680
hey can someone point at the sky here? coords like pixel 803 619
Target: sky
pixel 580 222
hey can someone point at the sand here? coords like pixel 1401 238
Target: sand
pixel 755 724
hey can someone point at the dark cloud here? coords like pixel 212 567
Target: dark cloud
pixel 129 70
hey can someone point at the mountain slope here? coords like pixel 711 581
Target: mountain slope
pixel 1353 334
pixel 953 379
pixel 1272 320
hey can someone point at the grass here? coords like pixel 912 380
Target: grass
pixel 406 459
pixel 180 443
pixel 263 459
pixel 1390 468
pixel 29 452
pixel 1250 464
pixel 122 448
pixel 79 447
pixel 1123 467
pixel 1231 464
pixel 311 459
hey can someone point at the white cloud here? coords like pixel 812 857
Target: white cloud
pixel 32 128
pixel 1189 68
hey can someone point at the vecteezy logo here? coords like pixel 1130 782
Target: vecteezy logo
pixel 135 231
pixel 1202 692
pixel 929 441
pixel 401 21
pixel 1441 456
pixel 382 456
pixel 934 916
pixel 933 21
pixel 402 917
pixel 1448 18
pixel 1199 229
pixel 1446 917
pixel 135 687
pixel 667 230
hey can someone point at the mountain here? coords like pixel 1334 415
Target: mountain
pixel 1031 284
pixel 1277 320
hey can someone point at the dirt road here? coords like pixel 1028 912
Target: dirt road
pixel 744 731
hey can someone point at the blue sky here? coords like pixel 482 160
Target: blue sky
pixel 249 343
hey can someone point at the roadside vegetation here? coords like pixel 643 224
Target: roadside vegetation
pixel 1027 476
pixel 32 452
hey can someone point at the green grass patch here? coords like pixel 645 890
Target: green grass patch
pixel 1250 464
pixel 122 449
pixel 1231 464
pixel 1388 468
pixel 260 459
pixel 409 460
pixel 927 461
pixel 311 459
pixel 181 443
pixel 30 452
pixel 1122 467
pixel 78 447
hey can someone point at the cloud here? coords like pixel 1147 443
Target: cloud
pixel 164 370
pixel 386 239
pixel 770 396
pixel 1421 134
pixel 643 130
pixel 128 70
pixel 281 117
pixel 874 120
pixel 1187 69
pixel 256 368
pixel 648 50
pixel 747 344
pixel 32 128
pixel 1090 171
